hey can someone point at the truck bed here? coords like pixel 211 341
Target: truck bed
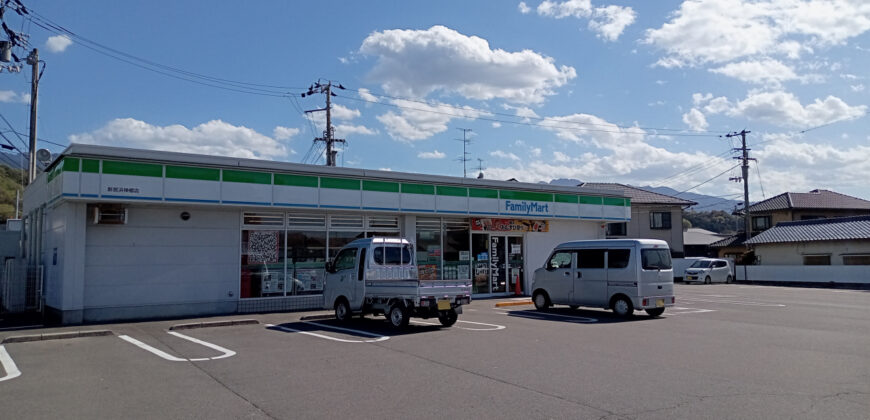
pixel 413 288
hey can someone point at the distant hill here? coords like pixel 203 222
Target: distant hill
pixel 705 202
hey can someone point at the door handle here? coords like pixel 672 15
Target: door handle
pixel 579 275
pixel 567 274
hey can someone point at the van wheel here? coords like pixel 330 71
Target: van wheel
pixel 728 279
pixel 541 300
pixel 707 280
pixel 655 312
pixel 622 307
pixel 398 316
pixel 342 310
pixel 448 318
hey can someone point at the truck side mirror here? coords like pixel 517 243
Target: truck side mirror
pixel 330 268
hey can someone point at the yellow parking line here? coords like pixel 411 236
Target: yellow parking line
pixel 520 303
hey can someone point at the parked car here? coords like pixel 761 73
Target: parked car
pixel 709 270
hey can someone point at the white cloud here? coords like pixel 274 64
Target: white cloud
pixel 414 63
pixel 535 151
pixel 524 8
pixel 762 72
pixel 718 31
pixel 857 88
pixel 10 96
pixel 346 130
pixel 366 95
pixel 284 133
pixel 212 138
pixel 418 121
pixel 340 112
pixel 504 155
pixel 695 120
pixel 560 157
pixel 785 110
pixel 611 21
pixel 570 8
pixel 496 125
pixel 431 155
pixel 58 43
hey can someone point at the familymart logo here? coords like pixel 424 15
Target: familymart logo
pixel 526 207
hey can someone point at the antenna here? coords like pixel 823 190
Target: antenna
pixel 465 142
pixel 480 168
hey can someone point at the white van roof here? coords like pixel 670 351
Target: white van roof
pixel 606 243
pixel 378 240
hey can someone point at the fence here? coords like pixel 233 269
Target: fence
pixel 21 287
pixel 838 274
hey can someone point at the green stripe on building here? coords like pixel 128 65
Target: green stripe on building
pixel 380 186
pixel 610 201
pixel 584 199
pixel 418 189
pixel 570 199
pixel 70 164
pixel 340 183
pixel 132 168
pixel 524 195
pixel 452 191
pixel 482 193
pixel 247 177
pixel 296 180
pixel 188 172
pixel 91 166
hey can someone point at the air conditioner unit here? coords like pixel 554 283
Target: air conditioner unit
pixel 109 214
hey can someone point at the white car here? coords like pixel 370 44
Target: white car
pixel 709 270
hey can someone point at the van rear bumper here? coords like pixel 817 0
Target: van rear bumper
pixel 652 302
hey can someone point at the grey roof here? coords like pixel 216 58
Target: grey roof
pixel 733 240
pixel 839 229
pixel 815 199
pixel 696 236
pixel 638 195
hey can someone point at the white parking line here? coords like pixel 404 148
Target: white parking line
pixel 497 327
pixel 171 358
pixel 545 315
pixel 286 329
pixel 735 302
pixel 681 310
pixel 8 364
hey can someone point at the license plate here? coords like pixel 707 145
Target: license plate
pixel 444 305
pixel 690 277
pixel 660 303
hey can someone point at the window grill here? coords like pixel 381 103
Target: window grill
pixel 306 220
pixel 263 219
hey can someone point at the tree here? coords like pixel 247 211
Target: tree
pixel 10 185
pixel 715 221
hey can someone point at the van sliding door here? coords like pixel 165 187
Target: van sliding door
pixel 590 281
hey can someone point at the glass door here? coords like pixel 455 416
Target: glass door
pixel 480 263
pixel 516 285
pixel 498 263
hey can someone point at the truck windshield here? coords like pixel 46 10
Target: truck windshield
pixel 393 255
pixel 656 259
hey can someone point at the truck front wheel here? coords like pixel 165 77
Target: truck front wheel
pixel 398 316
pixel 448 318
pixel 342 310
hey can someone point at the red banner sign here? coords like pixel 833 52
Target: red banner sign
pixel 510 225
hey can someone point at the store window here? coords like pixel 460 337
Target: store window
pixel 616 229
pixel 342 231
pixel 262 263
pixel 428 249
pixel 382 226
pixel 660 220
pixel 457 249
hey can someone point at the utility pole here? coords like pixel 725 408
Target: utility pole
pixel 464 157
pixel 329 132
pixel 33 60
pixel 745 167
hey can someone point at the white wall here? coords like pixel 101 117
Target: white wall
pixel 160 265
pixel 806 273
pixel 792 253
pixel 539 245
pixel 62 258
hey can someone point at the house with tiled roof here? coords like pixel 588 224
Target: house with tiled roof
pixel 835 241
pixel 790 207
pixel 653 216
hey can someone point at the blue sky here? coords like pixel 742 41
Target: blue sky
pixel 637 92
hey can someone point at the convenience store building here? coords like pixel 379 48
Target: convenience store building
pixel 125 233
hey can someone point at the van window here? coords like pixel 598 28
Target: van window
pixel 618 258
pixel 392 255
pixel 590 258
pixel 345 259
pixel 656 259
pixel 559 260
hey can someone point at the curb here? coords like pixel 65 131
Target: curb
pixel 520 303
pixel 56 336
pixel 317 317
pixel 213 324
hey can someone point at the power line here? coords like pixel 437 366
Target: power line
pixel 758 172
pixel 24 143
pixel 696 186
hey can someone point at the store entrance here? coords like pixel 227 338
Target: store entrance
pixel 498 263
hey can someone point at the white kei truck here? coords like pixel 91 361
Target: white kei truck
pixel 379 276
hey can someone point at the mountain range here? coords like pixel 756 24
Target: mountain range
pixel 705 202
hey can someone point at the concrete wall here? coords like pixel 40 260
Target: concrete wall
pixel 792 253
pixel 158 265
pixel 639 226
pixel 846 274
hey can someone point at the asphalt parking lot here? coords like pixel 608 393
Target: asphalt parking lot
pixel 724 351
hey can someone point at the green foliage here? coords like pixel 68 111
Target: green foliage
pixel 715 221
pixel 10 183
